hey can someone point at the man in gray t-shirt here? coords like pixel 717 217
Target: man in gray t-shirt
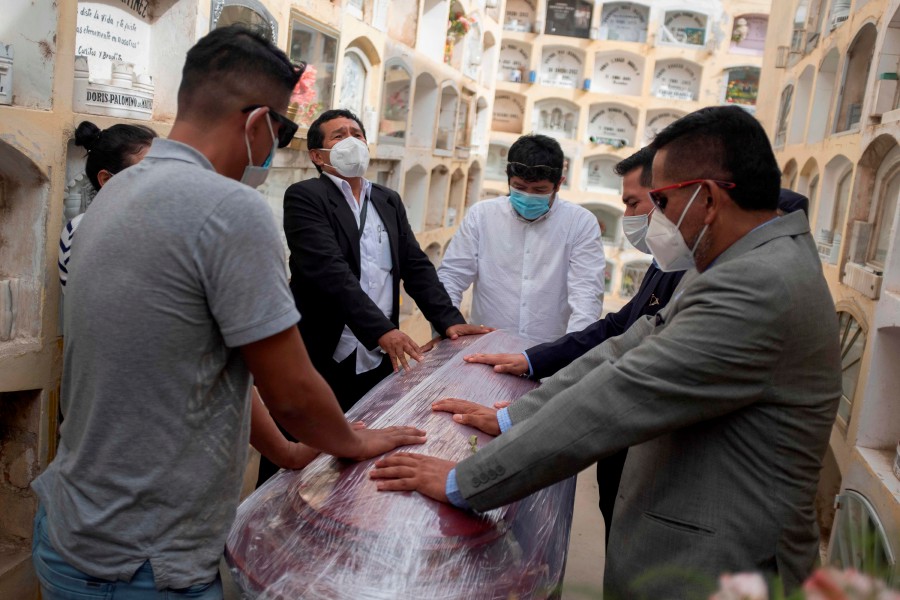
pixel 182 296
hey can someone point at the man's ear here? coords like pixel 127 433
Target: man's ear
pixel 257 119
pixel 315 155
pixel 103 176
pixel 714 202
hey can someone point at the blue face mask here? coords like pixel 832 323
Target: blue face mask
pixel 530 206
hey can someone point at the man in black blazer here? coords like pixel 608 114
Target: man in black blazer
pixel 346 278
pixel 655 291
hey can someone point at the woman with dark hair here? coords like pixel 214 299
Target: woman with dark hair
pixel 108 152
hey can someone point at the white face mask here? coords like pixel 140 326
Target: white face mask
pixel 635 229
pixel 255 176
pixel 666 243
pixel 349 157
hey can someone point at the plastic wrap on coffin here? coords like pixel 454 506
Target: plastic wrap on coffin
pixel 325 532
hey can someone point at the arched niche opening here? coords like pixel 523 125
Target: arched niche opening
pixel 856 75
pixel 612 125
pixel 520 15
pixel 555 117
pixel 789 175
pixel 820 115
pixel 676 79
pixel 684 28
pixel 608 218
pixel 562 66
pixel 571 18
pixel 473 186
pixel 885 97
pixel 446 128
pixel 600 177
pixel 784 111
pixel 249 13
pixel 474 52
pixel 872 212
pixel 431 33
pixel 457 198
pixel 395 102
pixel 618 72
pixel 400 19
pixel 509 113
pixel 24 191
pixel 741 86
pixel 632 277
pixel 515 61
pixel 809 183
pixel 425 107
pixel 433 252
pixel 833 207
pixel 748 34
pixel 657 120
pixel 437 197
pixel 624 22
pixel 415 196
pixel 489 52
pixel 804 92
pixel 354 82
pixel 497 158
pixel 480 130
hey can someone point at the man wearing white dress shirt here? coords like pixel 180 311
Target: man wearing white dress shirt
pixel 535 260
pixel 351 245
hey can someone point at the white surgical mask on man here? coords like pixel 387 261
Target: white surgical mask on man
pixel 666 243
pixel 635 228
pixel 255 176
pixel 349 157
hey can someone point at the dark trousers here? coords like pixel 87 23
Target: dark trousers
pixel 347 386
pixel 609 474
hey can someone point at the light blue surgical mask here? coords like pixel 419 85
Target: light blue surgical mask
pixel 530 206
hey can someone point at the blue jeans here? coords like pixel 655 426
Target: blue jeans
pixel 61 581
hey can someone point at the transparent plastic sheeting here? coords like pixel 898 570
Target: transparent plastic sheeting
pixel 325 532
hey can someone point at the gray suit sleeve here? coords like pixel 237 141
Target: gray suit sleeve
pixel 713 357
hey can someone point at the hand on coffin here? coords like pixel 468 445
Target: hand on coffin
pixel 397 345
pixel 430 345
pixel 502 404
pixel 469 413
pixel 454 331
pixel 405 472
pixel 374 442
pixel 514 364
pixel 297 455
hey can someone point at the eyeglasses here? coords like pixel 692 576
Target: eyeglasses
pixel 660 200
pixel 286 127
pixel 533 172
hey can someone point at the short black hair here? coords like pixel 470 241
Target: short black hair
pixel 724 143
pixel 234 66
pixel 314 137
pixel 536 157
pixel 111 149
pixel 643 158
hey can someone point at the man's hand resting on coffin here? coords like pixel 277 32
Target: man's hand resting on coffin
pixel 514 364
pixel 374 442
pixel 397 345
pixel 454 331
pixel 470 413
pixel 405 472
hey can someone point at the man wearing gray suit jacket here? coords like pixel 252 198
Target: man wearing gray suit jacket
pixel 726 397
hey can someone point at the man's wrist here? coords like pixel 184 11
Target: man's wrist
pixel 503 420
pixel 452 490
pixel 528 360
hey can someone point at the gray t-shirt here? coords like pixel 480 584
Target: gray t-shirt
pixel 177 267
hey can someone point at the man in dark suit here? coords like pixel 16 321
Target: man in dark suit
pixel 655 291
pixel 351 244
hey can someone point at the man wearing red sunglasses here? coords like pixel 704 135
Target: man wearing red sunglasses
pixel 726 397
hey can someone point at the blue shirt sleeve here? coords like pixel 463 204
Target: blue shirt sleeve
pixel 453 493
pixel 528 360
pixel 503 420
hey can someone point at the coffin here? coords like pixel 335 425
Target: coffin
pixel 325 532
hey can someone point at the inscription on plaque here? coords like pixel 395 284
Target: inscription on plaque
pixel 624 22
pixel 617 74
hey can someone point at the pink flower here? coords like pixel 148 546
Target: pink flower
pixel 741 586
pixel 305 91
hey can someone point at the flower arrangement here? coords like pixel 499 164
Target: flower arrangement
pixel 458 25
pixel 304 106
